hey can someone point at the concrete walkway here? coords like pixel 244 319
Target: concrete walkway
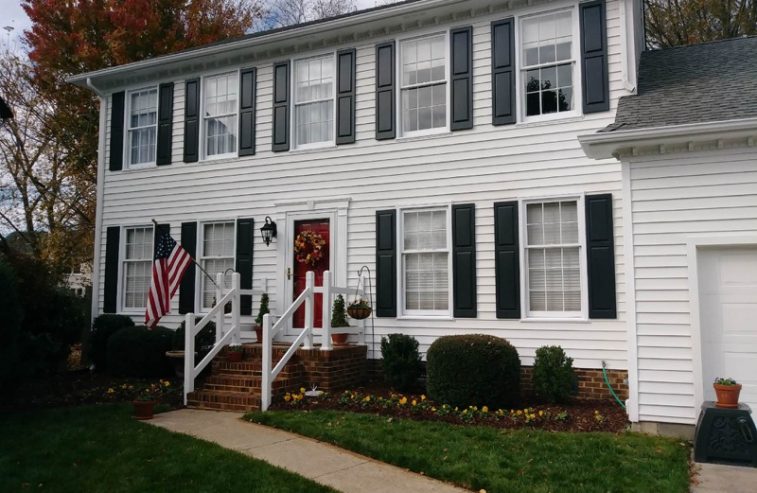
pixel 338 468
pixel 717 478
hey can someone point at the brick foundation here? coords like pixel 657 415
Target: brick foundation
pixel 591 384
pixel 340 368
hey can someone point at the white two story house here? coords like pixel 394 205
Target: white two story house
pixel 434 141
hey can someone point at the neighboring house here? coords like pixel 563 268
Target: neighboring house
pixel 688 147
pixel 78 282
pixel 437 142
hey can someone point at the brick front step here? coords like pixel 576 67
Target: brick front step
pixel 224 397
pixel 222 406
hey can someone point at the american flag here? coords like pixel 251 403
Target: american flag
pixel 171 261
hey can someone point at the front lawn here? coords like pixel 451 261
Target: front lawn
pixel 499 460
pixel 102 449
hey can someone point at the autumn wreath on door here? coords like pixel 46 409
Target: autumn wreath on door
pixel 309 248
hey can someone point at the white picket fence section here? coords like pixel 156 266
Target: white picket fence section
pixel 305 338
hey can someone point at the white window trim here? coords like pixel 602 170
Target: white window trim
pixel 402 313
pixel 121 262
pixel 527 314
pixel 127 128
pixel 199 275
pixel 398 71
pixel 520 91
pixel 293 105
pixel 203 136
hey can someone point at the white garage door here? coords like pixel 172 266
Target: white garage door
pixel 728 319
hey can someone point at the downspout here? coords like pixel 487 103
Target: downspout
pixel 99 198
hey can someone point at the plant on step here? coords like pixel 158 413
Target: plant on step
pixel 401 361
pixel 725 381
pixel 338 315
pixel 263 309
pixel 554 380
pixel 235 348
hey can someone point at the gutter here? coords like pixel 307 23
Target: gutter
pixel 603 145
pixel 378 13
pixel 97 242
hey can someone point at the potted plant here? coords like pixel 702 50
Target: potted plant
pixel 234 353
pixel 259 319
pixel 359 309
pixel 144 403
pixel 339 319
pixel 727 391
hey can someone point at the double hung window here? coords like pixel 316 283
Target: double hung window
pixel 314 100
pixel 425 261
pixel 552 251
pixel 547 63
pixel 217 256
pixel 220 107
pixel 136 267
pixel 423 83
pixel 142 127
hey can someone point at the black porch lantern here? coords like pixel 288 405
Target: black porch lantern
pixel 268 231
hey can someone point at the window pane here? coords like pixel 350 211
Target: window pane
pixel 143 115
pixel 426 281
pixel 315 122
pixel 220 135
pixel 137 267
pixel 217 256
pixel 220 95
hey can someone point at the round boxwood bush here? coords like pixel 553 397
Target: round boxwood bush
pixel 554 378
pixel 103 327
pixel 139 352
pixel 401 361
pixel 473 370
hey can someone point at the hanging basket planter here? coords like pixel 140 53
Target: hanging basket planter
pixel 359 311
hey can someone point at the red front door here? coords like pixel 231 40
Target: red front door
pixel 320 227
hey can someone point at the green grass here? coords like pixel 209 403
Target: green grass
pixel 497 460
pixel 102 449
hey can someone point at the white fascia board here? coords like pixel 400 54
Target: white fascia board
pixel 603 145
pixel 291 35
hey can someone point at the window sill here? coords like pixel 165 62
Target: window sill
pixel 552 120
pixel 313 148
pixel 426 317
pixel 437 134
pixel 577 320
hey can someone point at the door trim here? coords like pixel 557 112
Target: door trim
pixel 336 211
pixel 694 244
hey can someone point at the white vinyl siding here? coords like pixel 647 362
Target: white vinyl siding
pixel 314 100
pixel 220 107
pixel 136 267
pixel 552 252
pixel 481 166
pixel 142 127
pixel 216 256
pixel 425 262
pixel 547 63
pixel 677 199
pixel 423 84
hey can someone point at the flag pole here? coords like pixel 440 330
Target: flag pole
pixel 193 261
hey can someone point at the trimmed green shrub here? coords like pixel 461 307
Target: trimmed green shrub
pixel 554 379
pixel 139 352
pixel 103 327
pixel 473 370
pixel 402 362
pixel 205 338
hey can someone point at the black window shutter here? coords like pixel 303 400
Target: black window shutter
pixel 247 103
pixel 386 263
pixel 192 121
pixel 281 106
pixel 600 256
pixel 165 124
pixel 245 242
pixel 110 288
pixel 503 72
pixel 345 97
pixel 461 75
pixel 507 259
pixel 385 97
pixel 596 90
pixel 117 132
pixel 187 287
pixel 464 260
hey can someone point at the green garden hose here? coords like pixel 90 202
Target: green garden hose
pixel 607 382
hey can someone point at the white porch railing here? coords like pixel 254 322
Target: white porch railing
pixel 225 333
pixel 305 338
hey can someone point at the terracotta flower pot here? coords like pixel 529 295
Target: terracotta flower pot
pixel 339 339
pixel 259 333
pixel 143 409
pixel 728 395
pixel 233 356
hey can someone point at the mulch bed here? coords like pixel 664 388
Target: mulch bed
pixel 578 415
